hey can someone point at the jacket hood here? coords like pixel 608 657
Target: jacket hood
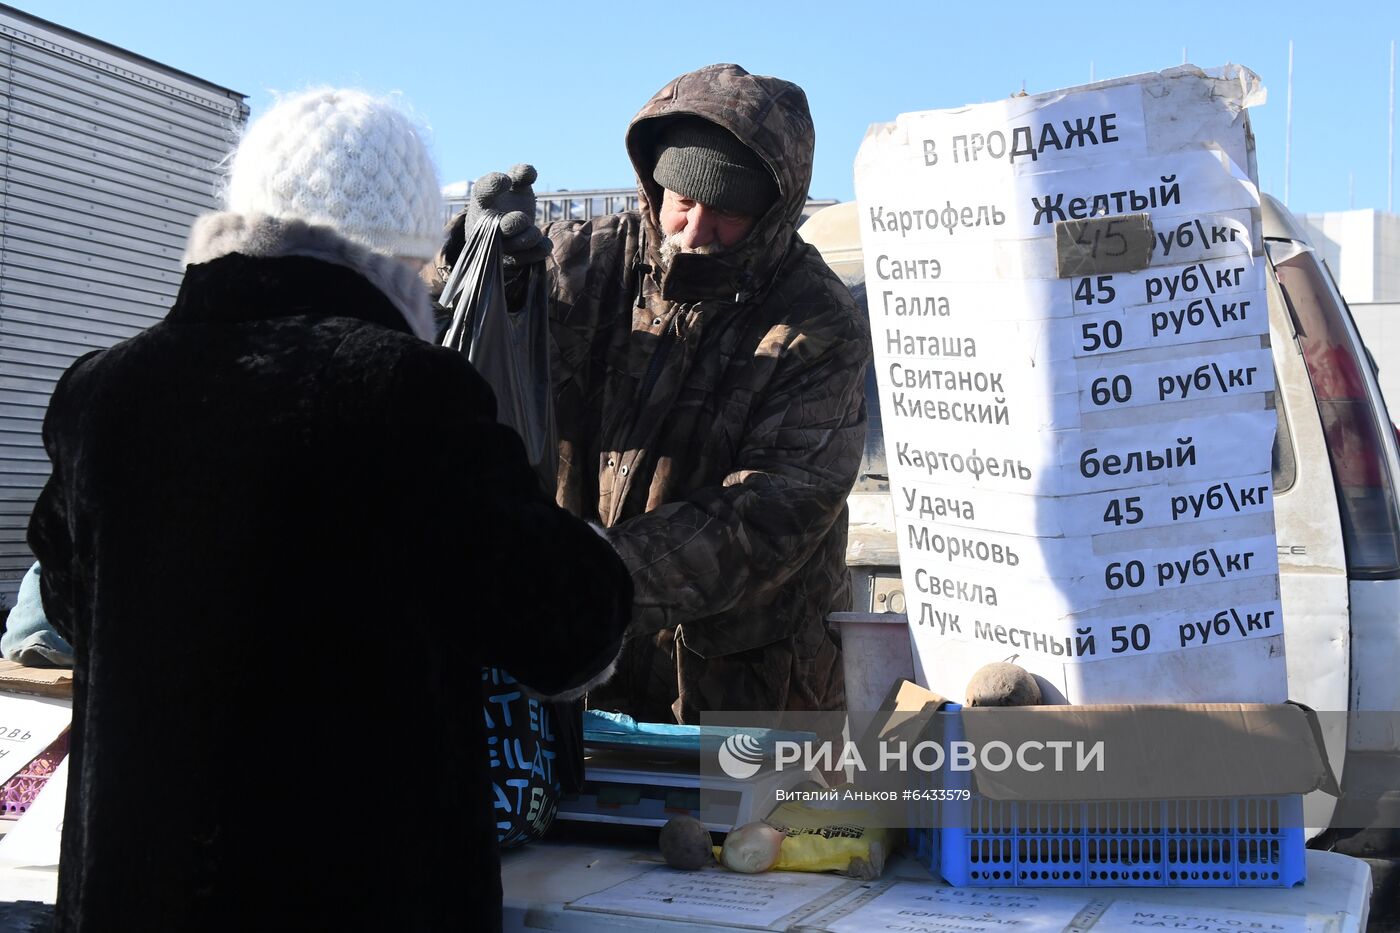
pixel 771 117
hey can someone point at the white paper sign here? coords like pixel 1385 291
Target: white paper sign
pixel 1221 280
pixel 715 896
pixel 1105 386
pixel 1145 326
pixel 1043 461
pixel 28 725
pixel 1068 304
pixel 1163 505
pixel 924 908
pixel 37 837
pixel 987 137
pixel 1142 915
pixel 1086 566
pixel 1227 619
pixel 1210 219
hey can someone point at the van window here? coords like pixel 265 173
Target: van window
pixel 1365 490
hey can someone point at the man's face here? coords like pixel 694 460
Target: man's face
pixel 694 227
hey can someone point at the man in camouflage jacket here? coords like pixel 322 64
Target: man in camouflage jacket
pixel 711 418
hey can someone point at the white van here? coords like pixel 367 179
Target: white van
pixel 1335 471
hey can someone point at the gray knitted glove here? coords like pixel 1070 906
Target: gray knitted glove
pixel 511 196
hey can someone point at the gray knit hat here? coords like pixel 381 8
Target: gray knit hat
pixel 701 160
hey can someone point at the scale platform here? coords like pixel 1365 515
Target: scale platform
pixel 641 788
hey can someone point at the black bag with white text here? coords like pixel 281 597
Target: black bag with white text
pixel 534 747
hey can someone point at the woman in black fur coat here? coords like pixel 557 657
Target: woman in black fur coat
pixel 244 499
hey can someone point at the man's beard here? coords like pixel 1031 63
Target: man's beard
pixel 671 247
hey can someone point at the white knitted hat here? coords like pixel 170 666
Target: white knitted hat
pixel 345 160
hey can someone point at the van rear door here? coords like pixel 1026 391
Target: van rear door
pixel 1365 464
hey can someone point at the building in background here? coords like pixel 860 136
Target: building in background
pixel 582 204
pixel 1362 248
pixel 1379 325
pixel 105 160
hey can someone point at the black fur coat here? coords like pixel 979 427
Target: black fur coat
pixel 283 535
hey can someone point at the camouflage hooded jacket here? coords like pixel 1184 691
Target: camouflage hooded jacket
pixel 712 418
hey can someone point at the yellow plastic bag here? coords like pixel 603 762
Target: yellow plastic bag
pixel 819 840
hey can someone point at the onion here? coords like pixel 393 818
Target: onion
pixel 1002 684
pixel 752 848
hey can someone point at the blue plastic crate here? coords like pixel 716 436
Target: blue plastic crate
pixel 1223 842
pixel 1212 842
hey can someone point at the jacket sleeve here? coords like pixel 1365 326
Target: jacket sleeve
pixel 51 524
pixel 551 596
pixel 735 544
pixel 29 639
pixel 50 541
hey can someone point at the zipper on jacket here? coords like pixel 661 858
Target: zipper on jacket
pixel 658 358
pixel 653 373
pixel 641 268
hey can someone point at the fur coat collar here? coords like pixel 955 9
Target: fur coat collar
pixel 258 236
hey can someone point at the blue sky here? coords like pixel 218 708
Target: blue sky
pixel 556 83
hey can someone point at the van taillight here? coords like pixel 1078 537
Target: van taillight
pixel 1350 421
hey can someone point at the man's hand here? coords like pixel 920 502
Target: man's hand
pixel 511 196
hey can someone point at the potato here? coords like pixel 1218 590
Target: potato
pixel 1002 684
pixel 686 844
pixel 752 848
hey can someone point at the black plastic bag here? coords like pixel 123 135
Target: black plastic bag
pixel 535 747
pixel 509 348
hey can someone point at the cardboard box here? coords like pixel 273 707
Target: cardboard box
pixel 39 681
pixel 1149 751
